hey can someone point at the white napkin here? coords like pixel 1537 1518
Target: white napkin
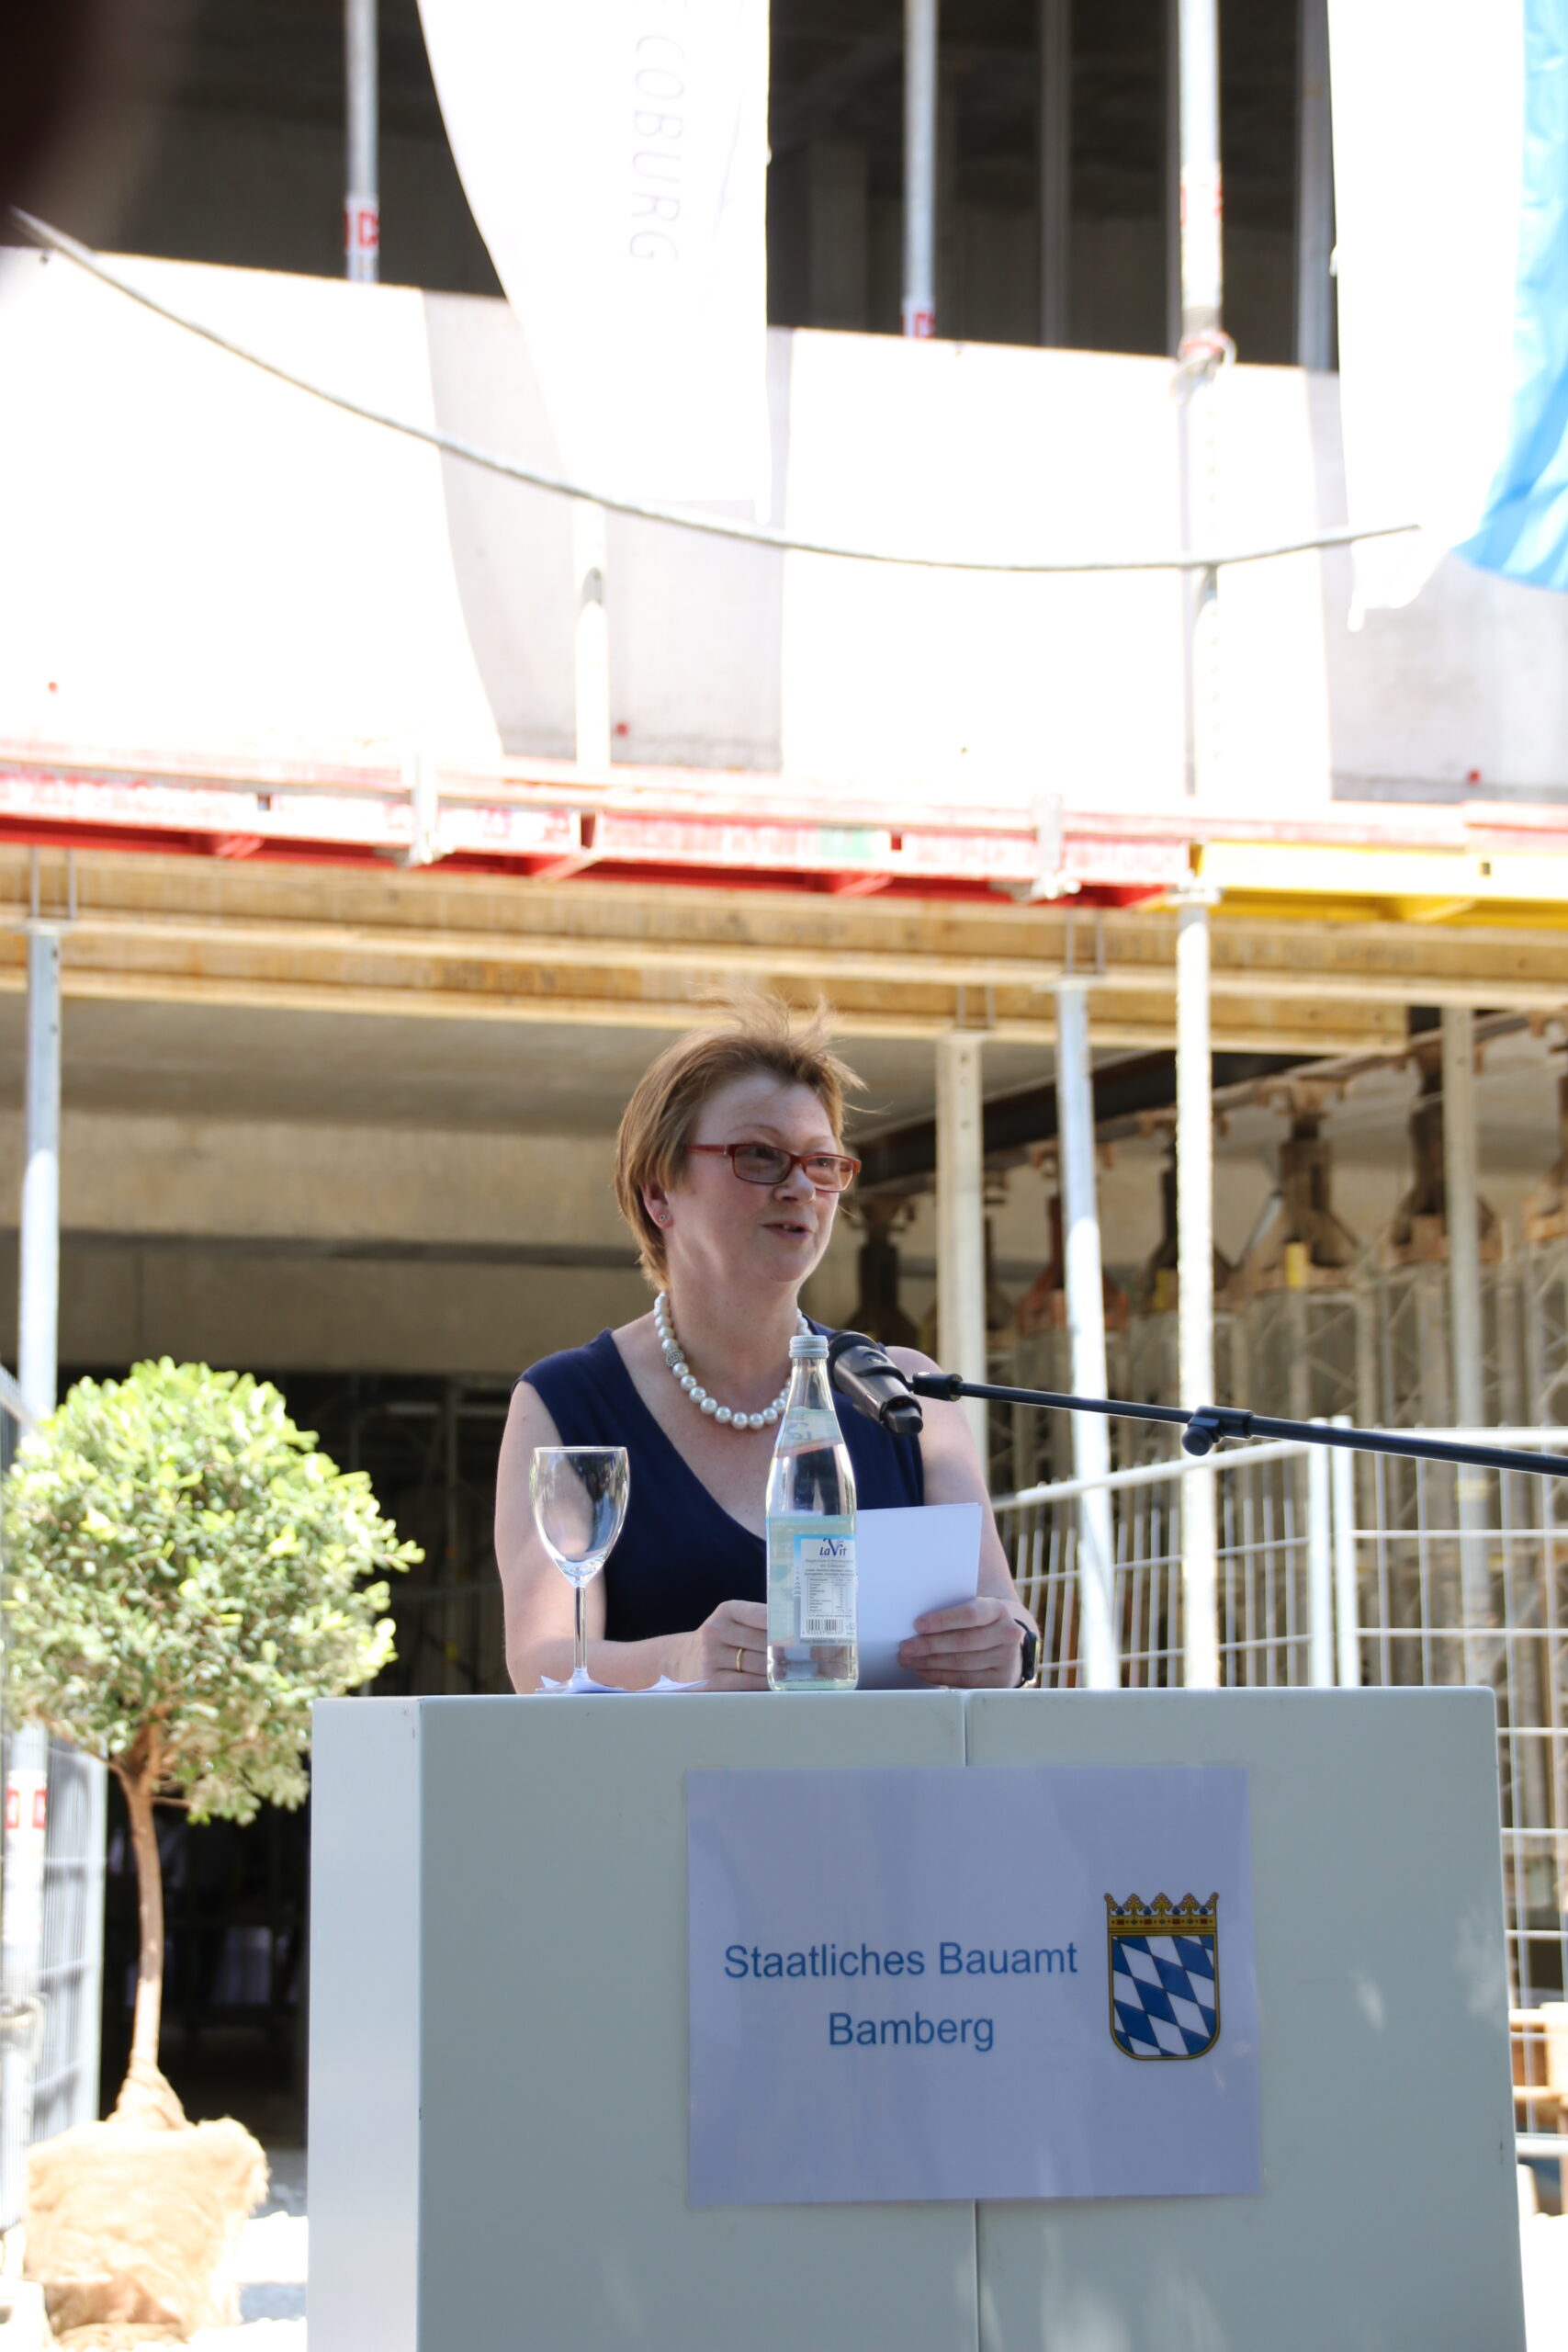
pixel 550 1689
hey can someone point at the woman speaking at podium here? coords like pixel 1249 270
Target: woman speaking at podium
pixel 729 1168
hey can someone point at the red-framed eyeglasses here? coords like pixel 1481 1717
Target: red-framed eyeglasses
pixel 768 1163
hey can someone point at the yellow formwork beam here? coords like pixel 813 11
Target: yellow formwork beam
pixel 1336 883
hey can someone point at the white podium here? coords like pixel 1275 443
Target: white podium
pixel 498 2043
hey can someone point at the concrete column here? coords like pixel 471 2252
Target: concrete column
pixel 1055 165
pixel 919 165
pixel 593 647
pixel 1195 1283
pixel 1315 190
pixel 362 199
pixel 961 1218
pixel 1099 1649
pixel 39 1299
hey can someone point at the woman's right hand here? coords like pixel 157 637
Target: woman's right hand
pixel 737 1629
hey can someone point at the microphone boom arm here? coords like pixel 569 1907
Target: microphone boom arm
pixel 1205 1426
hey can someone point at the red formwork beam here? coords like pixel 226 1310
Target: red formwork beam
pixel 550 820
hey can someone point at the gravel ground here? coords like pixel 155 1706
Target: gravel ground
pixel 251 2336
pixel 271 2268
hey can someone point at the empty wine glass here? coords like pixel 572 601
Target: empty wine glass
pixel 580 1506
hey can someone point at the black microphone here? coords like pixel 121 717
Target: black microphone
pixel 868 1376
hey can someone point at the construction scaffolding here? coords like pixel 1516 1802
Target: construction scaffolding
pixel 1543 1271
pixel 429 1447
pixel 1361 1569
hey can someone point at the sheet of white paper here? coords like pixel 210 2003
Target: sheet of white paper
pixel 909 1560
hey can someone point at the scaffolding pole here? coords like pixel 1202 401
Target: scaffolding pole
pixel 1195 1283
pixel 1098 1652
pixel 362 198
pixel 920 166
pixel 961 1220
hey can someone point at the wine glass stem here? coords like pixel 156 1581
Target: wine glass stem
pixel 580 1596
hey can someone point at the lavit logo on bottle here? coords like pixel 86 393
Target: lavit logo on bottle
pixel 825 1587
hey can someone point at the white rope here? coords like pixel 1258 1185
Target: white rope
pixel 715 526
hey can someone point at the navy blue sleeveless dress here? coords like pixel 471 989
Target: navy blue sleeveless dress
pixel 680 1554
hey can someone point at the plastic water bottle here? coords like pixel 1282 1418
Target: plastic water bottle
pixel 811 1535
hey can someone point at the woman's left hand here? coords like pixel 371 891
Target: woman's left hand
pixel 974 1646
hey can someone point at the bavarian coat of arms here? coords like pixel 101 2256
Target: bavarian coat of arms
pixel 1163 1959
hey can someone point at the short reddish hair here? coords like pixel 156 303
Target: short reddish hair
pixel 762 1034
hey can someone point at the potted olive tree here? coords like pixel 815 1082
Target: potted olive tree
pixel 187 1574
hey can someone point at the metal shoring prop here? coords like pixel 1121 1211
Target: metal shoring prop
pixel 362 197
pixel 1095 1562
pixel 1462 1214
pixel 1204 351
pixel 920 42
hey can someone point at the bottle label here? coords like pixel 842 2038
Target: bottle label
pixel 812 1575
pixel 825 1578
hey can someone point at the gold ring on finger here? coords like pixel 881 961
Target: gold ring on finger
pixel 740 1659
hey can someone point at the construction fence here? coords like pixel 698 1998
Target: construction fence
pixel 52 1935
pixel 1361 1571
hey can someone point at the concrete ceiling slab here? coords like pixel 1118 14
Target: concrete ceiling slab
pixel 248 1062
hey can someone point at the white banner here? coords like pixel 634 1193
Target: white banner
pixel 1428 128
pixel 1009 1982
pixel 614 156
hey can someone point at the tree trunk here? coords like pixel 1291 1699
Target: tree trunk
pixel 145 2097
pixel 150 1907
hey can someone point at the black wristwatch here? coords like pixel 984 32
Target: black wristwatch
pixel 1030 1652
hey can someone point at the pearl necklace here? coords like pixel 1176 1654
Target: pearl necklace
pixel 674 1358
